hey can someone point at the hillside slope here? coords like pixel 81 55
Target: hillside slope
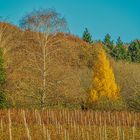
pixel 68 74
pixel 69 65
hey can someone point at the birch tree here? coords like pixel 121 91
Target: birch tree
pixel 44 24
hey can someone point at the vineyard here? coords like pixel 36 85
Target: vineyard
pixel 68 125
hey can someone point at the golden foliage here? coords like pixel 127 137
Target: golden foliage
pixel 103 84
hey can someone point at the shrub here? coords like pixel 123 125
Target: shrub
pixel 2 81
pixel 134 51
pixel 133 103
pixel 105 104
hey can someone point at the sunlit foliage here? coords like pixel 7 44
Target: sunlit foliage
pixel 103 83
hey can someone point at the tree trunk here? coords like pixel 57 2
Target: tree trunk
pixel 44 72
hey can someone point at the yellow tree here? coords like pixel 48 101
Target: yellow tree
pixel 103 84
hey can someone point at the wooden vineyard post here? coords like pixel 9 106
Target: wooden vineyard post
pixel 100 132
pixel 10 125
pixel 26 125
pixel 44 131
pixel 78 130
pixel 39 118
pixel 105 130
pixel 48 135
pixel 35 112
pixel 88 136
pixel 133 130
pixel 83 137
pixel 66 135
pixel 1 124
pixel 123 135
pixel 118 132
pixel 94 134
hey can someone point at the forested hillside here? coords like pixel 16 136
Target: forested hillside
pixel 69 71
pixel 23 56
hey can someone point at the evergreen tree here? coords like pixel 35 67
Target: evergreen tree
pixel 119 52
pixel 87 36
pixel 2 81
pixel 119 42
pixel 103 84
pixel 108 42
pixel 134 51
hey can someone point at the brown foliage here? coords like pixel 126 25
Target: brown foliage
pixel 69 68
pixel 65 80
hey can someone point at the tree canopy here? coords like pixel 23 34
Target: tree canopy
pixel 44 20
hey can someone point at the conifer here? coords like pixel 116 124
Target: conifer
pixel 103 84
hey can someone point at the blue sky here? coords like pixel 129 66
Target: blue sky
pixel 116 17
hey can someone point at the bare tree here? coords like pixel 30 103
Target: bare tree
pixel 45 24
pixel 47 21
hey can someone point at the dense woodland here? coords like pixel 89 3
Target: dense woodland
pixel 42 65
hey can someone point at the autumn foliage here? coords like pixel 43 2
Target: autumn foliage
pixel 103 83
